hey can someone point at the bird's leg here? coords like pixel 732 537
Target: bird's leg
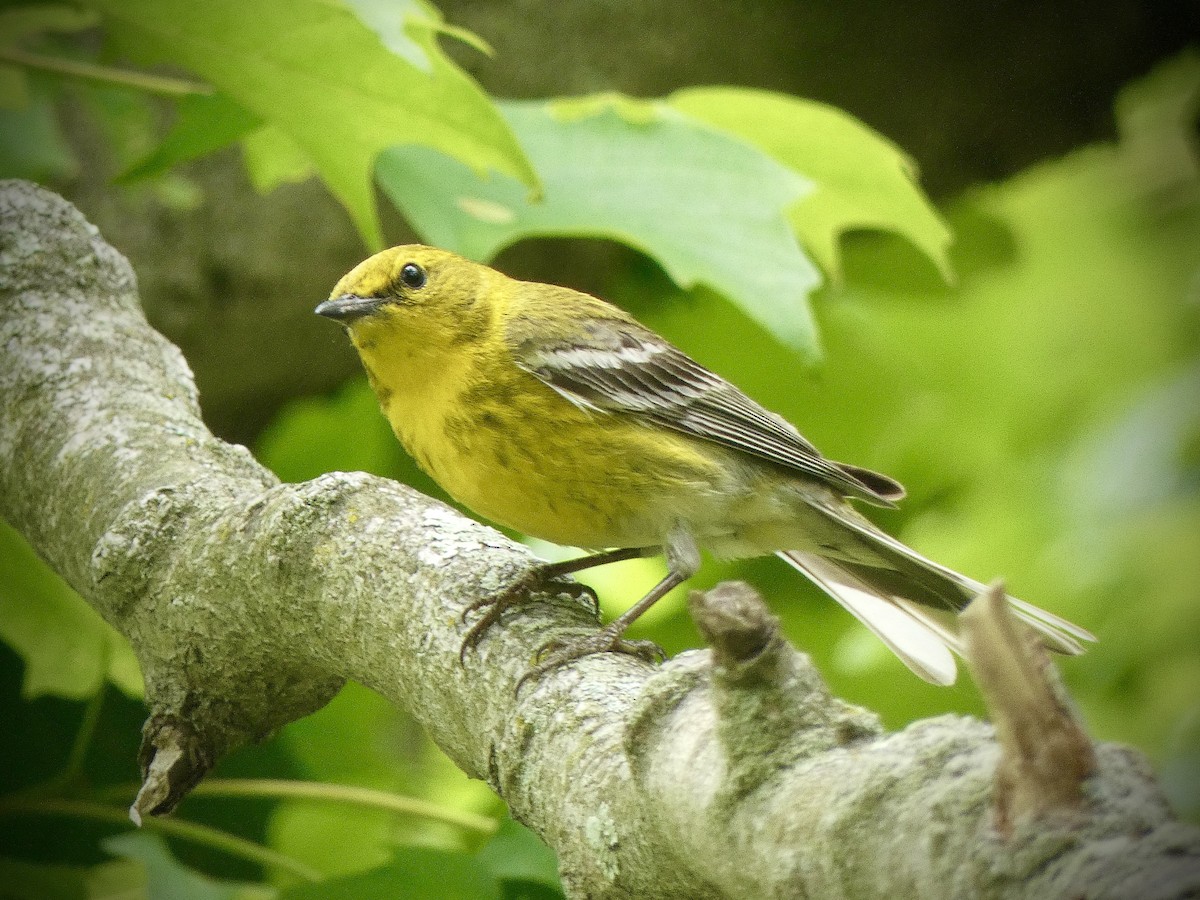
pixel 683 561
pixel 538 577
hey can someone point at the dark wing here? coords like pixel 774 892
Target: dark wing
pixel 618 366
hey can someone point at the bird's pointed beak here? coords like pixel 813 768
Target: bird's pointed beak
pixel 347 307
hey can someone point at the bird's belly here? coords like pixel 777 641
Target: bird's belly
pixel 593 481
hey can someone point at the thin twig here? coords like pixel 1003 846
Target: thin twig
pixel 154 84
pixel 83 737
pixel 189 831
pixel 328 793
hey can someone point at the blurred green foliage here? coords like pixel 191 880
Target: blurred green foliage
pixel 1042 412
pixel 68 649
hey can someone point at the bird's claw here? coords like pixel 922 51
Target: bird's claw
pixel 494 605
pixel 577 590
pixel 556 653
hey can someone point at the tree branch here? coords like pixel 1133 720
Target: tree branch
pixel 1045 755
pixel 721 774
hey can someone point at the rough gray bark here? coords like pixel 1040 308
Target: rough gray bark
pixel 724 773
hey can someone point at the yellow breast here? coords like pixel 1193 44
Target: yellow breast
pixel 514 451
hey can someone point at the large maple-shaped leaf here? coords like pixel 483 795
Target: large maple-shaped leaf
pixel 314 70
pixel 863 180
pixel 709 208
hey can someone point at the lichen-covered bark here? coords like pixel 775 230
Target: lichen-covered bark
pixel 729 773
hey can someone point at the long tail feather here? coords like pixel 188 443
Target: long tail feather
pixel 922 645
pixel 897 593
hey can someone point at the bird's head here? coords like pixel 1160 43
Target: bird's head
pixel 419 294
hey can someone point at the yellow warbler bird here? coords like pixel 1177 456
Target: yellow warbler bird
pixel 558 415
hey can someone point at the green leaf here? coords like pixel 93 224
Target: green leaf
pixel 415 873
pixel 31 144
pixel 118 880
pixel 127 119
pixel 708 208
pixel 204 123
pixel 1157 117
pixel 520 889
pixel 390 20
pixel 346 839
pixel 272 158
pixel 863 181
pixel 308 437
pixel 517 854
pixel 14 88
pixel 634 110
pixel 336 842
pixel 1164 102
pixel 167 877
pixel 21 22
pixel 313 70
pixel 68 649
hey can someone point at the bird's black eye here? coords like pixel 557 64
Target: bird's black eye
pixel 412 275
